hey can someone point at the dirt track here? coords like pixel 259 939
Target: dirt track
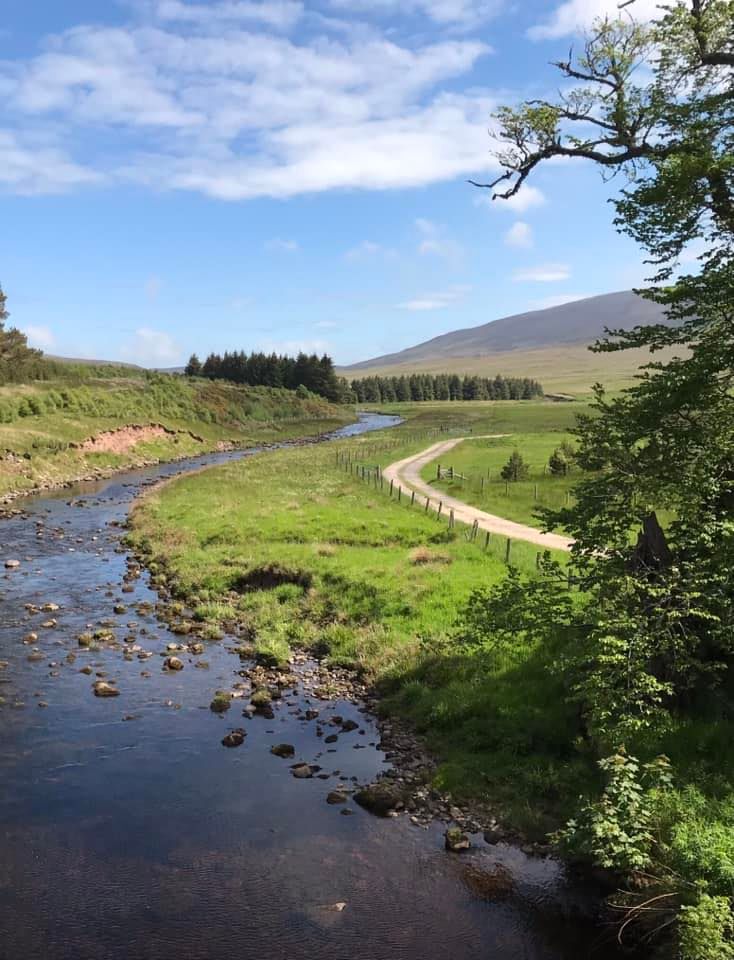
pixel 407 473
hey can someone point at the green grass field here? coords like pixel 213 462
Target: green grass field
pixel 307 554
pixel 41 423
pixel 481 461
pixel 570 369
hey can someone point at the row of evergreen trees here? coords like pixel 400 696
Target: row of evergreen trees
pixel 422 386
pixel 315 374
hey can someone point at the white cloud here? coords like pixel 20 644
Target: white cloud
pixel 280 14
pixel 435 301
pixel 367 249
pixel 436 241
pixel 153 288
pixel 152 348
pixel 447 12
pixel 526 198
pixel 576 16
pixel 282 246
pixel 556 300
pixel 520 234
pixel 28 167
pixel 235 114
pixel 39 336
pixel 545 273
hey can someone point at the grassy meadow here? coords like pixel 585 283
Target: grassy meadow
pixel 302 553
pixel 481 462
pixel 42 423
pixel 572 368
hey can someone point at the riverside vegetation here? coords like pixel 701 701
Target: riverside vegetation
pixel 604 713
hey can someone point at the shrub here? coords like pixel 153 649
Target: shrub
pixel 515 469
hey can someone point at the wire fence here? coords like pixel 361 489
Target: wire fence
pixel 499 547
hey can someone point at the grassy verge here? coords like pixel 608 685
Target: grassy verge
pixel 480 462
pixel 42 424
pixel 300 553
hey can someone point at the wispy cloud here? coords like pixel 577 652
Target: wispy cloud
pixel 200 103
pixel 40 336
pixel 436 301
pixel 367 250
pixel 464 13
pixel 520 235
pixel 575 16
pixel 435 240
pixel 281 14
pixel 544 273
pixel 526 198
pixel 152 348
pixel 282 246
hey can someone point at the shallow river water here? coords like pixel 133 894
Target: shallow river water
pixel 128 832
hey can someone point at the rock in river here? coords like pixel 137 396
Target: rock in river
pixel 284 750
pixel 103 689
pixel 234 739
pixel 336 796
pixel 380 798
pixel 173 663
pixel 456 840
pixel 302 771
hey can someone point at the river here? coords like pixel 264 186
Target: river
pixel 130 833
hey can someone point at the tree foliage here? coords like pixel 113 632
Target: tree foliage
pixel 425 386
pixel 315 374
pixel 651 639
pixel 515 469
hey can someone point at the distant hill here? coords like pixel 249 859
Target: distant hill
pixel 579 322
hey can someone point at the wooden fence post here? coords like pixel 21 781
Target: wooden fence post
pixel 486 541
pixel 391 486
pixel 400 493
pixel 451 520
pixel 438 471
pixel 507 551
pixel 428 503
pixel 536 492
pixel 440 508
pixel 412 498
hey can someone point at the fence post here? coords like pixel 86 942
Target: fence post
pixel 537 561
pixel 486 541
pixel 507 551
pixel 391 486
pixel 382 482
pixel 482 484
pixel 412 498
pixel 438 471
pixel 440 508
pixel 536 492
pixel 428 503
pixel 451 520
pixel 400 493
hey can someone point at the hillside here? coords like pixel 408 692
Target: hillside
pixel 65 429
pixel 550 345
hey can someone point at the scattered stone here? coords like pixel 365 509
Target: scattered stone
pixel 332 738
pixel 86 670
pixel 336 796
pixel 302 771
pixel 103 689
pixel 12 564
pixel 381 798
pixel 456 840
pixel 349 725
pixel 173 663
pixel 261 698
pixel 221 702
pixel 283 750
pixel 494 884
pixel 234 739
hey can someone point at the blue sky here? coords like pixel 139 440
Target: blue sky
pixel 181 176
